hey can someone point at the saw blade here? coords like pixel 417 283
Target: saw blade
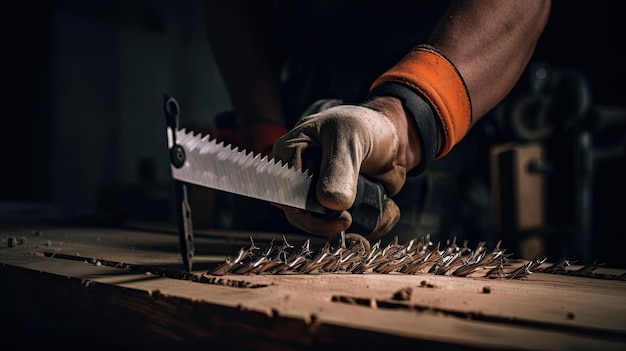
pixel 215 165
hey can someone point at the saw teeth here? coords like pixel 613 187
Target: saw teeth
pixel 214 164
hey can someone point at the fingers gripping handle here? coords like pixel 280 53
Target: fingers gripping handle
pixel 367 208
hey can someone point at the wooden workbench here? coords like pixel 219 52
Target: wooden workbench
pixel 111 288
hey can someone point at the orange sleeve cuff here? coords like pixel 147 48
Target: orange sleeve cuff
pixel 434 77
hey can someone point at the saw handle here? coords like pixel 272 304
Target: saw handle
pixel 368 206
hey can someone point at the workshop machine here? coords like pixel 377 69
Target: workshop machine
pixel 544 175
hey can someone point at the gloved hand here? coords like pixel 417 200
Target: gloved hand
pixel 418 110
pixel 353 140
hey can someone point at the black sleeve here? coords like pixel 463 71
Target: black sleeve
pixel 423 115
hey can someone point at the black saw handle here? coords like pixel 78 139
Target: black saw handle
pixel 368 206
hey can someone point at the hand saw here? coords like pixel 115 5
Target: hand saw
pixel 204 161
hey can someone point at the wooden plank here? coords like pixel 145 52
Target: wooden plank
pixel 69 289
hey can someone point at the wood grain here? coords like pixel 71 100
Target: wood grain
pixel 61 280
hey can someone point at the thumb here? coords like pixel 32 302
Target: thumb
pixel 342 156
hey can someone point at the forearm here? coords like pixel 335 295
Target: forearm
pixel 471 62
pixel 245 46
pixel 490 42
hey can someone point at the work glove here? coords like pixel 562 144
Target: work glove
pixel 350 140
pixel 359 139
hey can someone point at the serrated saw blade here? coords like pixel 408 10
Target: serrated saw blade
pixel 213 164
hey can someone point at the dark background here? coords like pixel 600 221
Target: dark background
pixel 82 125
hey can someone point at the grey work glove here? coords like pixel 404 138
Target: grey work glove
pixel 353 140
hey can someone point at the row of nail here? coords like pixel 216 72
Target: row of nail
pixel 416 256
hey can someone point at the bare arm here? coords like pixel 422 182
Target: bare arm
pixel 490 42
pixel 475 56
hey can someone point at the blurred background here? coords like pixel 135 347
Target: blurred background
pixel 84 137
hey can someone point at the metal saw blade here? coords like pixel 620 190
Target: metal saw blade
pixel 223 167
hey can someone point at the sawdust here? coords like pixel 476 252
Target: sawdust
pixel 402 294
pixel 425 284
pixel 161 272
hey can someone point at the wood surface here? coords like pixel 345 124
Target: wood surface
pixel 125 289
